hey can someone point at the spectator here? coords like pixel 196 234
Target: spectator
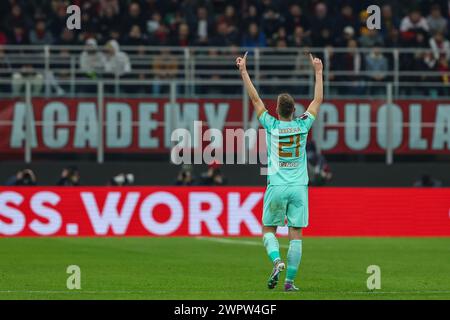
pixel 213 176
pixel 351 63
pixel 182 38
pixel 117 63
pixel 299 38
pixel 443 67
pixel 108 16
pixel 348 33
pixel 18 36
pixel 165 67
pixel 270 22
pixel 435 20
pixel 109 5
pixel 230 17
pixel 122 179
pixel 224 36
pixel 251 16
pixel 254 37
pixel 346 19
pixel 421 40
pixel 17 18
pixel 440 46
pixel 207 61
pixel 280 36
pixel 89 21
pixel 133 17
pixel 67 38
pixel 185 176
pixel 135 37
pixel 70 177
pixel 40 36
pixel 423 61
pixel 392 40
pixel 92 63
pixel 157 30
pixel 319 171
pixel 61 75
pixel 58 19
pixel 388 20
pixel 321 26
pixel 296 19
pixel 427 181
pixel 202 26
pixel 371 38
pixel 114 34
pixel 414 21
pixel 27 73
pixel 24 177
pixel 154 22
pixel 377 67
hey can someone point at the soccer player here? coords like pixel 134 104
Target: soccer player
pixel 286 195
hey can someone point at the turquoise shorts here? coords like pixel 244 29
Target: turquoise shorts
pixel 286 202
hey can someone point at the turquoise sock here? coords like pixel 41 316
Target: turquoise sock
pixel 272 246
pixel 294 256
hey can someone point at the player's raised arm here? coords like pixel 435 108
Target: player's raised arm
pixel 252 93
pixel 318 88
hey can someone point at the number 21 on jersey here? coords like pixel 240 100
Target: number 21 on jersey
pixel 293 142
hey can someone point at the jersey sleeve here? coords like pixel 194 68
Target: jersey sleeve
pixel 307 120
pixel 266 120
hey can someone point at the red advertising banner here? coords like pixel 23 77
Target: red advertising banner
pixel 220 211
pixel 146 125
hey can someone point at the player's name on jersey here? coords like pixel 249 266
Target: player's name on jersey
pixel 288 130
pixel 284 164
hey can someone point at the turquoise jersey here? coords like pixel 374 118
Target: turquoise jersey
pixel 286 149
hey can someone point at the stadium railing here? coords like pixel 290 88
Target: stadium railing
pixel 60 66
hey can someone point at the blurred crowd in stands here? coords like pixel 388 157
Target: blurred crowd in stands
pixel 318 170
pixel 213 176
pixel 319 173
pixel 249 23
pixel 69 177
pixel 233 23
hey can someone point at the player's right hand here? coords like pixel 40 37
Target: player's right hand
pixel 316 63
pixel 241 62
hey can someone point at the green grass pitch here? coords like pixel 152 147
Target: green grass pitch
pixel 228 268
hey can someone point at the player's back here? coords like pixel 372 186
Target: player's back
pixel 286 147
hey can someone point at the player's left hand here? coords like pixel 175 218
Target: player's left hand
pixel 316 63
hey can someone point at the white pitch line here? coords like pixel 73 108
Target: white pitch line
pixel 231 241
pixel 220 291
